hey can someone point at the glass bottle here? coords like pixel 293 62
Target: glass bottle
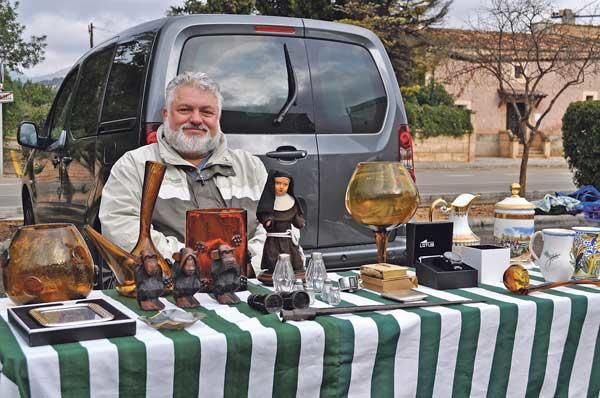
pixel 283 276
pixel 333 296
pixel 316 273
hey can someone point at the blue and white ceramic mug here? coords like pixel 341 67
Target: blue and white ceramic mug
pixel 586 250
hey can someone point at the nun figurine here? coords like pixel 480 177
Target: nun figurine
pixel 278 209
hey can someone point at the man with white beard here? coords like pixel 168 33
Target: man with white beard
pixel 202 172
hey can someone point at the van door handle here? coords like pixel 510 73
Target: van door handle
pixel 287 155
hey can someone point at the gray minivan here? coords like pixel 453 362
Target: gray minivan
pixel 311 98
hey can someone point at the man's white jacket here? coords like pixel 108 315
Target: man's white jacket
pixel 122 194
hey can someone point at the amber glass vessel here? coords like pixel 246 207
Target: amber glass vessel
pixel 382 196
pixel 48 262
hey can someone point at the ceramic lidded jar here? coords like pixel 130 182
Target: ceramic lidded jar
pixel 514 224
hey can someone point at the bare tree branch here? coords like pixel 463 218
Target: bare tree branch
pixel 514 37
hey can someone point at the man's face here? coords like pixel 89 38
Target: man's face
pixel 191 121
pixel 193 110
pixel 281 185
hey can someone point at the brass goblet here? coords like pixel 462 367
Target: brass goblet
pixel 382 196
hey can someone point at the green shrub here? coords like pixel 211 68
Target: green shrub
pixel 431 112
pixel 429 94
pixel 32 103
pixel 581 141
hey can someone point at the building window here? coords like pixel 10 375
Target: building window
pixel 590 95
pixel 519 72
pixel 464 104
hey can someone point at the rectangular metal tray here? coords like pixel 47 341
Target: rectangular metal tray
pixel 36 334
pixel 70 315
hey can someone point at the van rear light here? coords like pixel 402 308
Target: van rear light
pixel 275 29
pixel 150 130
pixel 405 149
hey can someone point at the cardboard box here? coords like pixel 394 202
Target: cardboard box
pixel 427 239
pixel 383 271
pixel 434 239
pixel 433 276
pixel 389 285
pixel 489 260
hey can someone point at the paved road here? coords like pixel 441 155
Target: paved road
pixel 448 181
pixel 10 198
pixel 429 181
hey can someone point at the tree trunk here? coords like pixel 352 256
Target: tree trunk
pixel 523 169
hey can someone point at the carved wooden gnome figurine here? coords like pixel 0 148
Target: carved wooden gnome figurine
pixel 225 272
pixel 187 279
pixel 149 282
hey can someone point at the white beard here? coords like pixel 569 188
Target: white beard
pixel 191 146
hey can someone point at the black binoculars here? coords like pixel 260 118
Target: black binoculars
pixel 275 302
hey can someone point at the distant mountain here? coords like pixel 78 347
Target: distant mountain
pixel 53 79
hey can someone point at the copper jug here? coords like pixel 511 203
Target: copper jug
pixel 47 262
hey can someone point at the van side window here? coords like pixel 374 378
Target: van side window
pixel 253 76
pixel 347 88
pixel 87 99
pixel 126 79
pixel 59 112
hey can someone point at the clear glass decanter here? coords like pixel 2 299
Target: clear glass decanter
pixel 283 276
pixel 316 273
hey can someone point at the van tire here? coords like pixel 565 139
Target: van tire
pixel 28 216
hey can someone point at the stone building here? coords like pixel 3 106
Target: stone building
pixel 493 116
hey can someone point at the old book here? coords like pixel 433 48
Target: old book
pixel 383 271
pixel 389 285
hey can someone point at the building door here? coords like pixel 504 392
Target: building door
pixel 512 117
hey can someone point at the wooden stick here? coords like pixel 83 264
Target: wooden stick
pixel 551 285
pixel 311 313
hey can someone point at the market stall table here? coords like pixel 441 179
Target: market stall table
pixel 546 344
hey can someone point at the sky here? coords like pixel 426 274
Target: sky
pixel 65 23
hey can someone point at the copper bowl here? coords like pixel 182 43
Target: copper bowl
pixel 48 262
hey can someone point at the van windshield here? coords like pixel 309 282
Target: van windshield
pixel 253 76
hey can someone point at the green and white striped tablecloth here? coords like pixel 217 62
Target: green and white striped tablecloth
pixel 546 344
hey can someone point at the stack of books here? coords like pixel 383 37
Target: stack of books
pixel 385 278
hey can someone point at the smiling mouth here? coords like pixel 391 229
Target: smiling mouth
pixel 192 130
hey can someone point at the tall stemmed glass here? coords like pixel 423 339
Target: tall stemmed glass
pixel 382 196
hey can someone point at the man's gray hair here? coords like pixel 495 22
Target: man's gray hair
pixel 198 80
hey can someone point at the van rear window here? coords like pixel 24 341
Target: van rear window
pixel 347 88
pixel 253 76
